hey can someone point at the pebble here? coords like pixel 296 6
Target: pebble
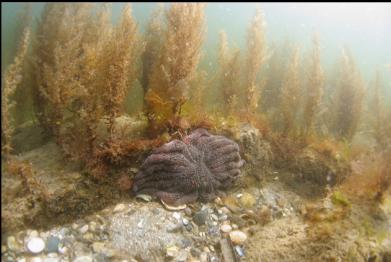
pixel 177 215
pixel 119 208
pixel 182 256
pixel 239 251
pixel 172 251
pixel 223 217
pixel 83 259
pixel 98 247
pixel 204 257
pixel 225 210
pixel 62 250
pixel 226 228
pixel 52 244
pixel 23 259
pixel 51 259
pixel 200 217
pixel 36 259
pixel 34 233
pixel 188 211
pixel 173 228
pixel 88 236
pixel 140 224
pixel 234 226
pixel 185 221
pixel 195 252
pixel 237 237
pixel 214 217
pixel 83 229
pixel 36 245
pixel 11 243
pixel 92 226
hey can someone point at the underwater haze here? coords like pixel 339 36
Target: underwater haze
pixel 196 132
pixel 363 27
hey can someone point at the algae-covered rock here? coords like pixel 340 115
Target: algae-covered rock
pixel 125 127
pixel 256 151
pixel 319 168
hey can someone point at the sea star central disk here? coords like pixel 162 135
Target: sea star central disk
pixel 195 168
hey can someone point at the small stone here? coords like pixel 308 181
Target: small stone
pixel 174 228
pixel 234 226
pixel 62 250
pixel 134 170
pixel 119 208
pixel 185 221
pixel 52 243
pixel 11 243
pixel 172 251
pixel 177 215
pixel 200 217
pixel 239 251
pixel 98 247
pixel 140 224
pixel 226 228
pixel 195 252
pixel 23 259
pixel 182 256
pixel 83 259
pixel 214 217
pixel 188 211
pixel 88 236
pixel 237 237
pixel 239 195
pixel 146 198
pixel 189 227
pixel 51 259
pixel 34 233
pixel 225 210
pixel 36 245
pixel 92 226
pixel 223 217
pixel 218 201
pixel 204 257
pixel 83 229
pixel 36 259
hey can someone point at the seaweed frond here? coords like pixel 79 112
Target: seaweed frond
pixel 176 67
pixel 290 95
pixel 12 78
pixel 257 55
pixel 314 88
pixel 348 98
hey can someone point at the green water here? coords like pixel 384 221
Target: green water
pixel 363 27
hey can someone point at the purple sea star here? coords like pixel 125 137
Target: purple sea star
pixel 196 168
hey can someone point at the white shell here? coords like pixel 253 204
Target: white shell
pixel 226 228
pixel 146 198
pixel 36 245
pixel 173 208
pixel 238 237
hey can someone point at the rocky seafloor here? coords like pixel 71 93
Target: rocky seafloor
pixel 264 217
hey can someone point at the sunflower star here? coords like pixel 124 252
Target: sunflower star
pixel 196 168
